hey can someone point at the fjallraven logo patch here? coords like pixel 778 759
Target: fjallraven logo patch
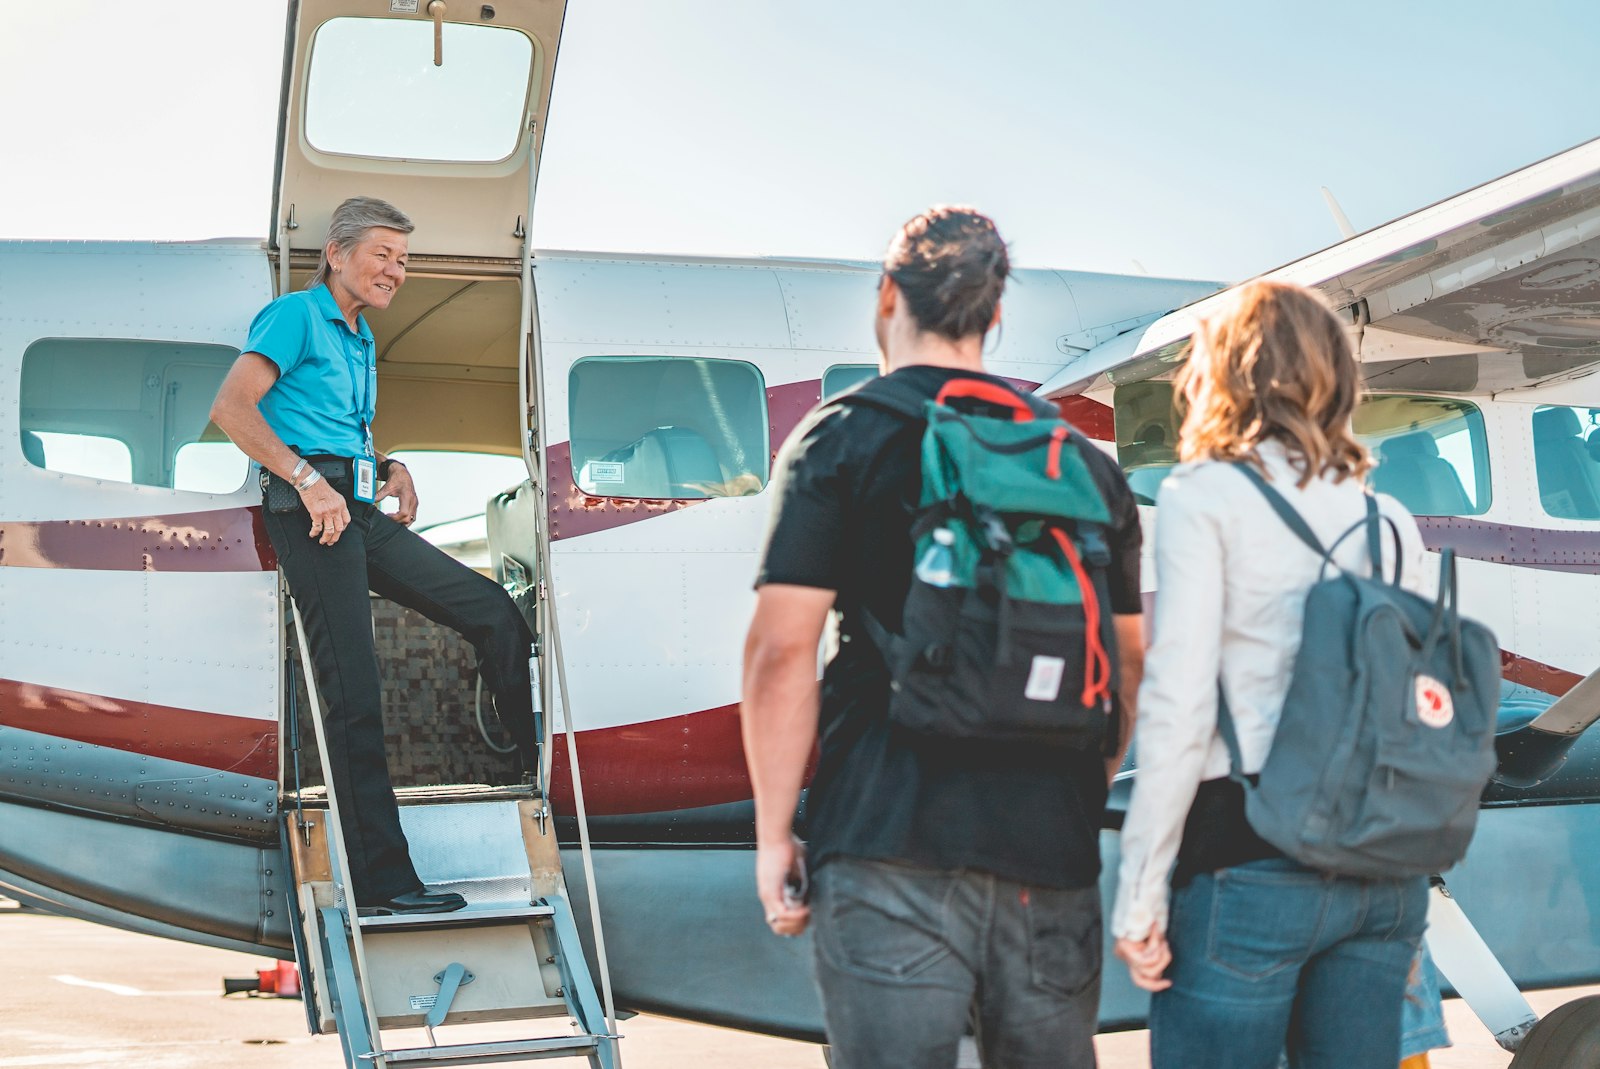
pixel 1434 706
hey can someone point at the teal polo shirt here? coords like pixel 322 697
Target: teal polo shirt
pixel 327 386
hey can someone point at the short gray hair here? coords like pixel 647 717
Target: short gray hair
pixel 349 225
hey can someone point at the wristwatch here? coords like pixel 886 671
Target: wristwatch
pixel 383 468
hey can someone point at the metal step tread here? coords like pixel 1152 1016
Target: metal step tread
pixel 461 918
pixel 469 1053
pixel 317 797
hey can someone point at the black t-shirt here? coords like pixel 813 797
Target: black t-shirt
pixel 845 487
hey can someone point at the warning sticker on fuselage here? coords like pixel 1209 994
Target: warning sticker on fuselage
pixel 423 1002
pixel 403 7
pixel 606 471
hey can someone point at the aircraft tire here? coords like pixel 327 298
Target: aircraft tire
pixel 1566 1038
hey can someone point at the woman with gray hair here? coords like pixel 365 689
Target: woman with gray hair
pixel 300 401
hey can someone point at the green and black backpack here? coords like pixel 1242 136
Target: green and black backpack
pixel 1006 632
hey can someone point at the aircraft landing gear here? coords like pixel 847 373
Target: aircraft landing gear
pixel 1566 1038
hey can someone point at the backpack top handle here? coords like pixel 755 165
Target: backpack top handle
pixel 988 392
pixel 1446 621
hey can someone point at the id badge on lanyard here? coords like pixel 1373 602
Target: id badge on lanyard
pixel 364 470
pixel 366 479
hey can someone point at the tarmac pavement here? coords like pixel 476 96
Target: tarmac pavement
pixel 74 994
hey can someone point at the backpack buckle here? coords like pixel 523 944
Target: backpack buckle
pixel 995 532
pixel 1096 553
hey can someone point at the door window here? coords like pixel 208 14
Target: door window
pixel 373 90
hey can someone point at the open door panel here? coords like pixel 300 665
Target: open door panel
pixel 436 106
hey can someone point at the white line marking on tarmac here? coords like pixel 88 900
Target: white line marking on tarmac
pixel 101 1055
pixel 122 989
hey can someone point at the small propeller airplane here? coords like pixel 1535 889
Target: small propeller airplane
pixel 154 773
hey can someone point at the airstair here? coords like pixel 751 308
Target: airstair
pixel 406 990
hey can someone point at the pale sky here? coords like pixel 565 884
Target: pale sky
pixel 1191 138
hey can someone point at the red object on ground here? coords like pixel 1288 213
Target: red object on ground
pixel 283 980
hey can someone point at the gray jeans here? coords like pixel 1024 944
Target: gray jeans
pixel 904 953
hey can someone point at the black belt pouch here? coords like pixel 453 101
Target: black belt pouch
pixel 279 495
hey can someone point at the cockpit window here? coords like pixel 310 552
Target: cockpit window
pixel 1566 460
pixel 1147 436
pixel 373 90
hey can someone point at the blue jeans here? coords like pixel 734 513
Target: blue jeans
pixel 904 954
pixel 1272 956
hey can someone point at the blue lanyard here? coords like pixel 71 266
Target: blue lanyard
pixel 362 394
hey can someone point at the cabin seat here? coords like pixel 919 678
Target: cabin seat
pixel 1569 479
pixel 1411 470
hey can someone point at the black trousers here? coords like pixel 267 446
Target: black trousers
pixel 330 585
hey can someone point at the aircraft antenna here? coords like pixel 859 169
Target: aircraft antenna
pixel 1340 220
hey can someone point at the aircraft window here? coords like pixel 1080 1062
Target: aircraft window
pixel 1147 436
pixel 1566 460
pixel 89 455
pixel 373 90
pixel 841 377
pixel 453 492
pixel 1432 454
pixel 209 467
pixel 668 427
pixel 131 411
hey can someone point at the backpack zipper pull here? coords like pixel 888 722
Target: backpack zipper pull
pixel 1052 468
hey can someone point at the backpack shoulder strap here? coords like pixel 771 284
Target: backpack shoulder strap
pixel 886 395
pixel 1285 511
pixel 1043 409
pixel 902 400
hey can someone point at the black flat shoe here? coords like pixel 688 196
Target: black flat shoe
pixel 421 900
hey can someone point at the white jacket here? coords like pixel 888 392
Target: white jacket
pixel 1231 584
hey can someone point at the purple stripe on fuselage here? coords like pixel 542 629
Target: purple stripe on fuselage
pixel 1521 547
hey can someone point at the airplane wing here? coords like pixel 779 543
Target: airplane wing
pixel 1494 289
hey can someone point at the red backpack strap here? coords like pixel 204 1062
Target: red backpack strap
pixel 989 393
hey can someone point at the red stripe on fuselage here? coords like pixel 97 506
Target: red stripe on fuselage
pixel 658 766
pixel 1094 419
pixel 223 540
pixel 210 740
pixel 682 762
pixel 1531 673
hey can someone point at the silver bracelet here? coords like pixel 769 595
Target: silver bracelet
pixel 311 480
pixel 298 468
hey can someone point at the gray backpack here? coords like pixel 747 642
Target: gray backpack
pixel 1386 740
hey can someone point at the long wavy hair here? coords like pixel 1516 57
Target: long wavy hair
pixel 1276 364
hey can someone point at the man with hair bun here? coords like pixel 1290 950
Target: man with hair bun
pixel 949 875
